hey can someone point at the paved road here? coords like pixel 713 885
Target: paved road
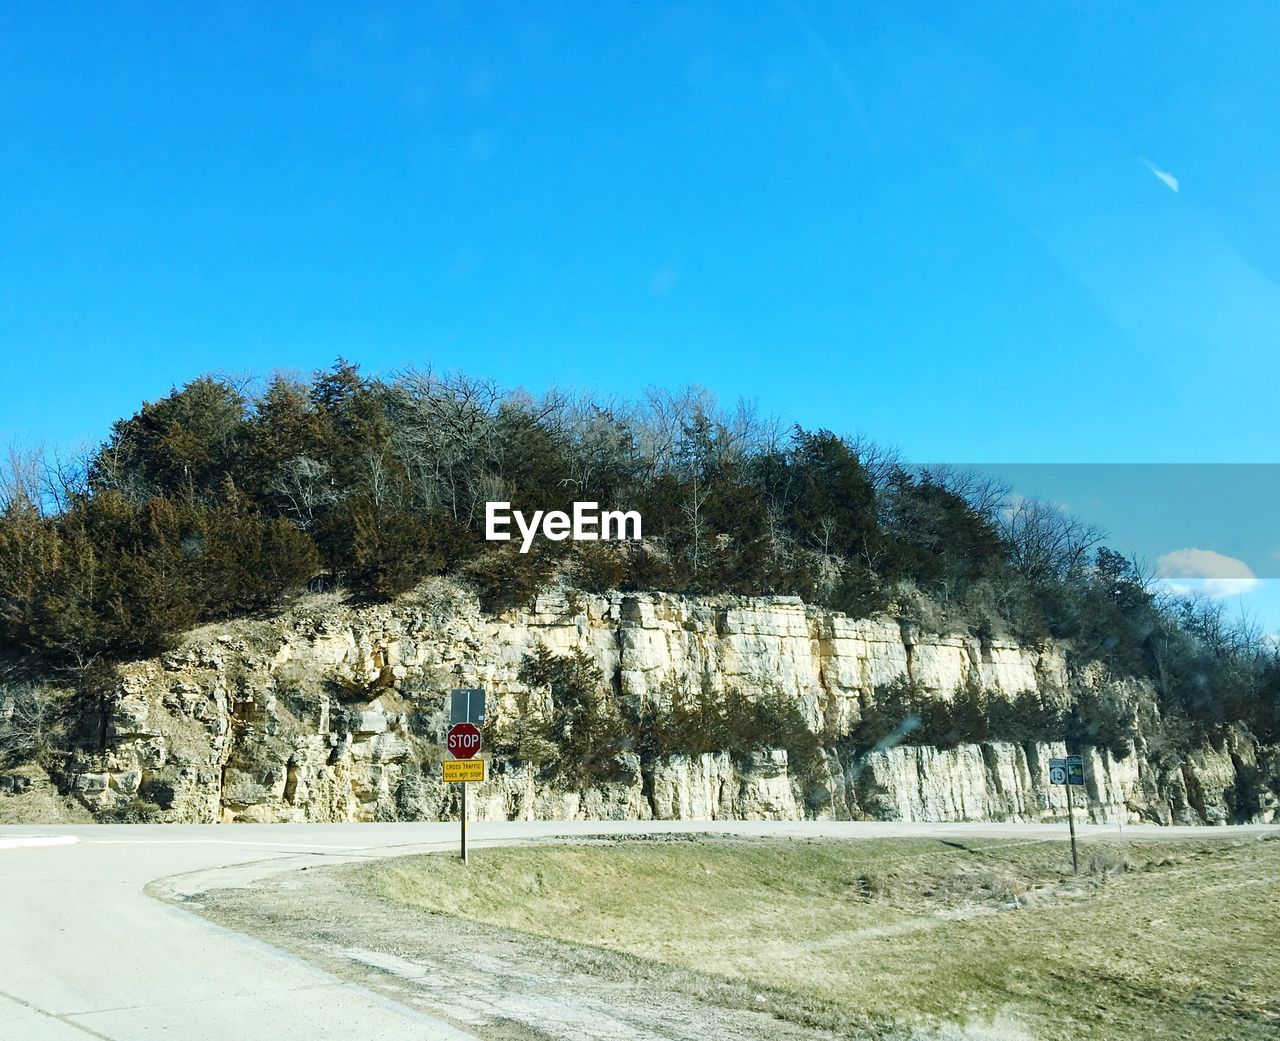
pixel 87 952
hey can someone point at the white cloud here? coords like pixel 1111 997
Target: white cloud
pixel 1204 572
pixel 1169 180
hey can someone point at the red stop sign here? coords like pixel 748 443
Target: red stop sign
pixel 463 740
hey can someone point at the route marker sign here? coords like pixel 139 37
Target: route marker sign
pixel 1068 770
pixel 460 771
pixel 464 740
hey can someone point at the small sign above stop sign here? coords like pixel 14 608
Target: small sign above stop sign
pixel 463 741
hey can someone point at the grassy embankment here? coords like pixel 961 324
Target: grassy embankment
pixel 1169 939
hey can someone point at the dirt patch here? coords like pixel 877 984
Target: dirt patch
pixel 499 984
pixel 35 800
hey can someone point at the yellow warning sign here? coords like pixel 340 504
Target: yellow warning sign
pixel 456 770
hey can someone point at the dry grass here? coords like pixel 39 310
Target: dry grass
pixel 1160 940
pixel 41 803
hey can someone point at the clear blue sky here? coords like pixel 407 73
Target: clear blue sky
pixel 954 227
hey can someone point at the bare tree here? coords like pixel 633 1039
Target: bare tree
pixel 987 496
pixel 692 510
pixel 306 485
pixel 881 462
pixel 1046 542
pixel 826 529
pixel 66 478
pixel 22 477
pixel 24 720
pixel 665 418
pixel 378 461
pixel 601 440
pixel 695 453
pixel 445 435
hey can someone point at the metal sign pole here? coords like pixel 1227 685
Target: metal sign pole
pixel 463 741
pixel 1071 823
pixel 465 822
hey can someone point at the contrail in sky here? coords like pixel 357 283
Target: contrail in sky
pixel 1170 181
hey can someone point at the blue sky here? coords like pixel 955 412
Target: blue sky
pixel 974 231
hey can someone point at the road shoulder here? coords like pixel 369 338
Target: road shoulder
pixel 498 984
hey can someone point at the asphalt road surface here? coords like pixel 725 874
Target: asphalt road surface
pixel 89 949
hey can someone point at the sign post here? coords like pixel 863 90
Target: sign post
pixel 1070 772
pixel 466 716
pixel 1071 824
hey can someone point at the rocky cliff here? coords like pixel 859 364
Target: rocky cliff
pixel 335 712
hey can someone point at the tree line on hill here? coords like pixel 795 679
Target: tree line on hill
pixel 224 499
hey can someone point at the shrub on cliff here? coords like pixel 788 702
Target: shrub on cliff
pixel 1101 717
pixel 704 720
pixel 779 723
pixel 245 561
pixel 1029 715
pixel 25 720
pixel 599 567
pixel 693 722
pixel 893 716
pixel 506 578
pixel 902 712
pixel 583 734
pixel 136 810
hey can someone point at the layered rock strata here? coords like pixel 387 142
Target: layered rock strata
pixel 334 712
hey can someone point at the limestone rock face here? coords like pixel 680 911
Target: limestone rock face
pixel 333 712
pixel 994 781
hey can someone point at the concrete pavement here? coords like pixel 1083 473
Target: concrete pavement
pixel 87 952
